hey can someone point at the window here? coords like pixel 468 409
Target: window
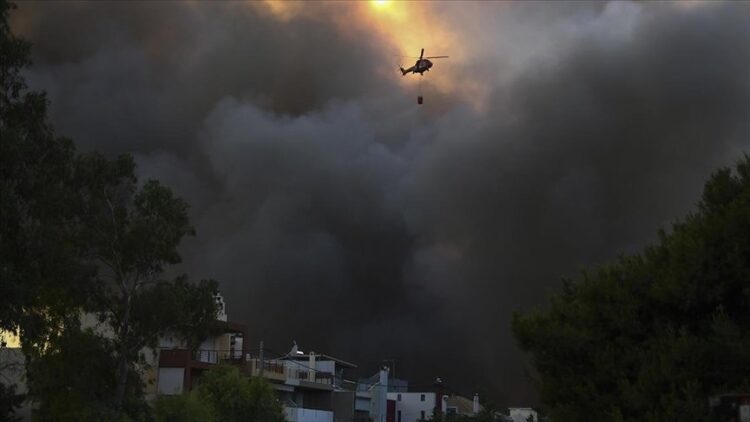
pixel 421 397
pixel 398 397
pixel 399 416
pixel 422 412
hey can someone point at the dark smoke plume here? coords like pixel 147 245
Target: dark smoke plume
pixel 337 213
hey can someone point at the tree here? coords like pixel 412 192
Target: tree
pixel 187 407
pixel 131 234
pixel 74 380
pixel 223 395
pixel 234 397
pixel 39 273
pixel 79 235
pixel 653 335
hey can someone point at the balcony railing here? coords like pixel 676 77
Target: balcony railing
pixel 289 372
pixel 286 371
pixel 217 356
pixel 183 357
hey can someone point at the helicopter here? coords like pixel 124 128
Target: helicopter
pixel 422 64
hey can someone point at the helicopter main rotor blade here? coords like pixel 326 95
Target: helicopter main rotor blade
pixel 436 57
pixel 421 54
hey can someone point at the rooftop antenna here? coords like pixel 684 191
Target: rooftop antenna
pixel 295 350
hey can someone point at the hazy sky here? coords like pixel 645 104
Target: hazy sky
pixel 337 212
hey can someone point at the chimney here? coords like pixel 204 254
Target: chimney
pixel 475 407
pixel 383 377
pixel 382 395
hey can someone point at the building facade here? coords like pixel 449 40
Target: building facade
pixel 413 406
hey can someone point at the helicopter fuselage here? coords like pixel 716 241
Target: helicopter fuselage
pixel 421 66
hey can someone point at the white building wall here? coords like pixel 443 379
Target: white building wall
pixel 324 366
pixel 362 404
pixel 411 405
pixel 521 414
pixel 170 380
pixel 298 414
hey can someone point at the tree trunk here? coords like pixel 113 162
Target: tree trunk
pixel 123 358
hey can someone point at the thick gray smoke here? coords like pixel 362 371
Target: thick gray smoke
pixel 336 212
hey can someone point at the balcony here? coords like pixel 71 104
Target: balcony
pixel 218 356
pixel 290 373
pixel 282 371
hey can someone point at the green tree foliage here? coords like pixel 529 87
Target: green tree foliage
pixel 183 408
pixel 223 395
pixel 40 274
pixel 126 234
pixel 75 380
pixel 235 397
pixel 653 335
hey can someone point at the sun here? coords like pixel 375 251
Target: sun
pixel 389 9
pixel 380 4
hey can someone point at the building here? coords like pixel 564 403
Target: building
pixel 178 366
pixel 305 382
pixel 365 401
pixel 414 406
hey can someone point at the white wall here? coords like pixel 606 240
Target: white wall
pixel 324 366
pixel 14 373
pixel 298 414
pixel 170 380
pixel 745 413
pixel 411 405
pixel 362 404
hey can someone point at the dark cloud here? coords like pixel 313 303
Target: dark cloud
pixel 336 212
